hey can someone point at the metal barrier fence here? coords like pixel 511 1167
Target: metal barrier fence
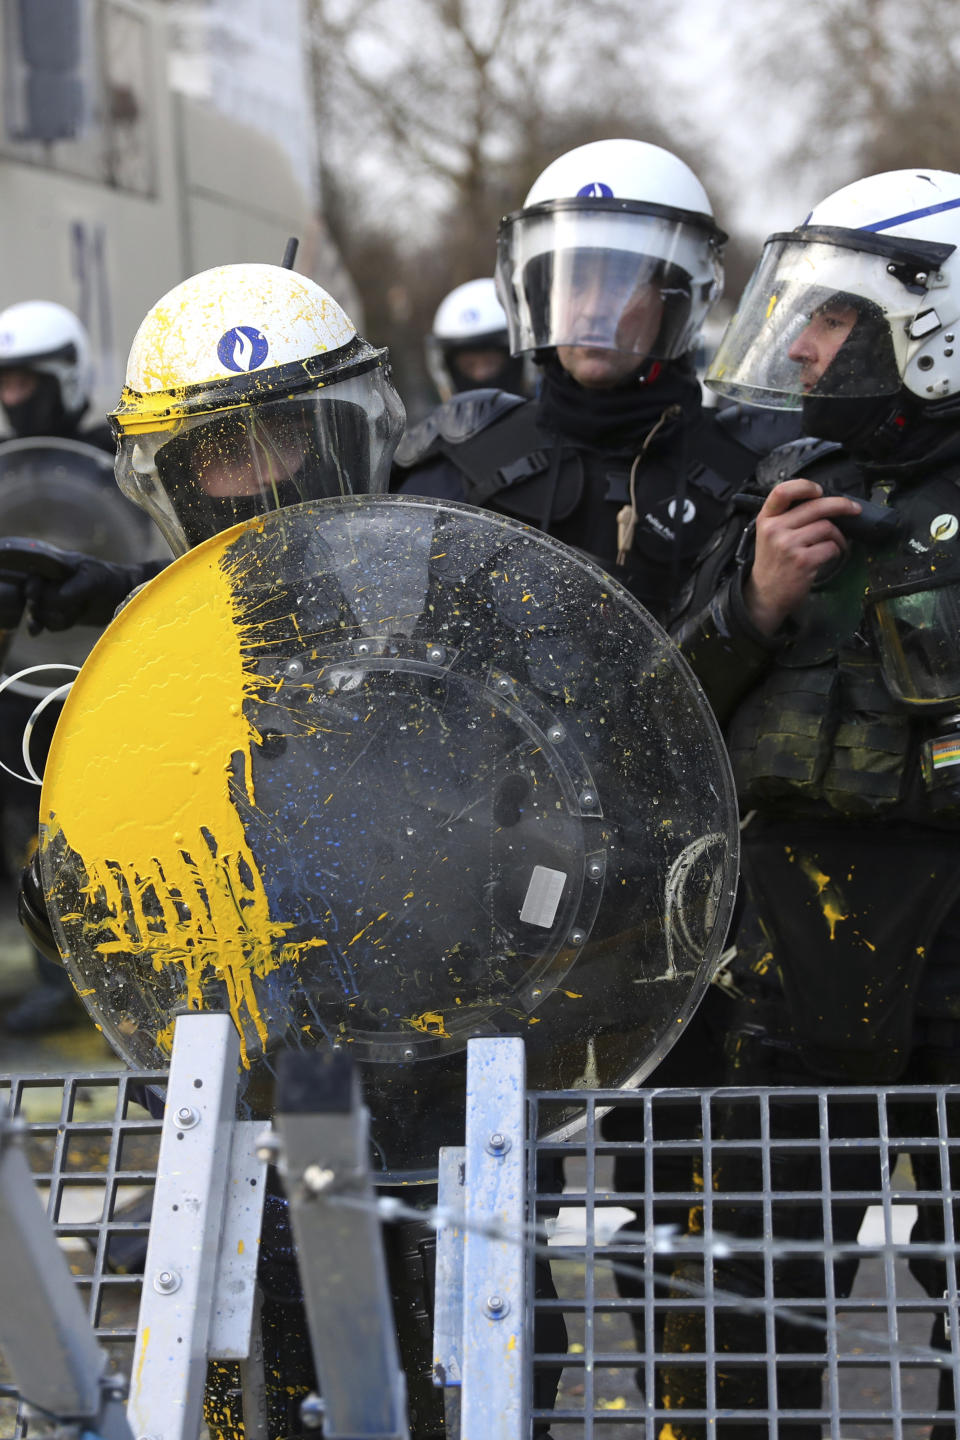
pixel 92 1146
pixel 785 1240
pixel 815 1237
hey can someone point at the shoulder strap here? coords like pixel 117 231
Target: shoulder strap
pixel 463 416
pixel 788 460
pixel 501 455
pixel 723 452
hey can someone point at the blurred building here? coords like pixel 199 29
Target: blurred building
pixel 144 140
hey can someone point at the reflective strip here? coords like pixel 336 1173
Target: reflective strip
pixel 912 215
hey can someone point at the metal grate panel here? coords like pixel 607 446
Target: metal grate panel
pixel 92 1146
pixel 822 1241
pixel 649 1348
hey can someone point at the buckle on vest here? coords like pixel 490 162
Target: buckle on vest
pixel 522 469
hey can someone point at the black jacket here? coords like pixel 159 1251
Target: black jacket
pixel 566 468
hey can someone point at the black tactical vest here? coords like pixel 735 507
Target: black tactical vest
pixel 821 732
pixel 504 459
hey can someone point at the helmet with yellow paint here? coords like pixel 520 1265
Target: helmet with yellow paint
pixel 247 389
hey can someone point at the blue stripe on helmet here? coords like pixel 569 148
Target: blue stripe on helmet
pixel 912 215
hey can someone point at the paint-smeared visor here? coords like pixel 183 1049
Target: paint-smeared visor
pixel 819 319
pixel 917 638
pixel 613 280
pixel 210 470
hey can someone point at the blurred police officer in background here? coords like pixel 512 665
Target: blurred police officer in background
pixel 827 635
pixel 469 347
pixel 46 374
pixel 46 382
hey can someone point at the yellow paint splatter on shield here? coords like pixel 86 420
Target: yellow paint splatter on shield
pixel 146 807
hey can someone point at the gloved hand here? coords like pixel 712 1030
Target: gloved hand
pixel 12 601
pixel 87 595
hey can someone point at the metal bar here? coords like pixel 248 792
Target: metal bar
pixel 494 1400
pixel 448 1303
pixel 448 1287
pixel 323 1131
pixel 45 1334
pixel 231 1325
pixel 176 1308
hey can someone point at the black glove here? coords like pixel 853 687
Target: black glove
pixel 88 595
pixel 12 601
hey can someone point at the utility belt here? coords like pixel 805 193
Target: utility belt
pixel 851 914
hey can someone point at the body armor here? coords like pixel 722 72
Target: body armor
pixel 493 450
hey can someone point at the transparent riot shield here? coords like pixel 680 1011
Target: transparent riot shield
pixel 63 492
pixel 389 773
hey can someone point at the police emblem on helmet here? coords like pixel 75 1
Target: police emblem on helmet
pixel 242 348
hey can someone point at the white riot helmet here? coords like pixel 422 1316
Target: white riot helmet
pixel 859 304
pixel 248 389
pixel 616 248
pixel 49 341
pixel 468 346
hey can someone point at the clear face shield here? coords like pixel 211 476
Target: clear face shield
pixel 636 283
pixel 213 469
pixel 821 319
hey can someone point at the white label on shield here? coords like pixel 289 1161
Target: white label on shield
pixel 543 896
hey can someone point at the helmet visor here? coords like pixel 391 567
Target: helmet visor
pixel 611 280
pixel 214 469
pixel 818 319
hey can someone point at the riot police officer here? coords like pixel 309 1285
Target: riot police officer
pixel 606 275
pixel 468 347
pixel 825 632
pixel 247 389
pixel 46 373
pixel 46 380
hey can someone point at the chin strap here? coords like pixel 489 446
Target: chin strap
pixel 627 517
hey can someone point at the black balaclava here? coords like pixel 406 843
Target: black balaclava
pixel 617 418
pixel 44 412
pixel 509 377
pixel 855 420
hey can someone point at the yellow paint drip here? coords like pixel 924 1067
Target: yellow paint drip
pixel 142 1357
pixel 831 901
pixel 144 800
pixel 431 1022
